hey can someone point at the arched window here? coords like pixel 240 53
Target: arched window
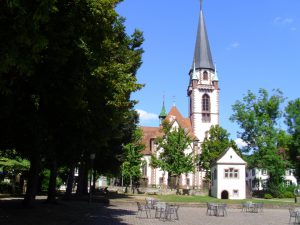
pixel 205 108
pixel 205 75
pixel 205 103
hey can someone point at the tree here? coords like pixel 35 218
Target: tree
pixel 292 117
pixel 66 75
pixel 11 166
pixel 216 142
pixel 258 116
pixel 132 158
pixel 174 157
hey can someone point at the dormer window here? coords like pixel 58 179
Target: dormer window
pixel 205 75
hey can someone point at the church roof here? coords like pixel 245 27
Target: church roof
pixel 154 132
pixel 202 53
pixel 148 134
pixel 185 123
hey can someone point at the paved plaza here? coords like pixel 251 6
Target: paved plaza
pixel 124 212
pixel 121 214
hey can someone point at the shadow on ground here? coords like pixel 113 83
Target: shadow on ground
pixel 72 212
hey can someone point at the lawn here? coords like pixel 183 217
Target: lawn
pixel 204 199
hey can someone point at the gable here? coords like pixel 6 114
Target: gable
pixel 177 120
pixel 230 157
pixel 149 135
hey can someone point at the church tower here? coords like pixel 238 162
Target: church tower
pixel 203 89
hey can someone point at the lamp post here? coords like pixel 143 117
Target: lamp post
pixel 92 157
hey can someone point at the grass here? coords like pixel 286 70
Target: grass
pixel 204 199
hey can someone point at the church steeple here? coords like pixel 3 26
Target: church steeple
pixel 203 88
pixel 202 53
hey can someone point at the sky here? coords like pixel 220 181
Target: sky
pixel 255 44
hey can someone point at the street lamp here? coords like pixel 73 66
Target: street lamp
pixel 92 157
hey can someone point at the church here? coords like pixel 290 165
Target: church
pixel 203 95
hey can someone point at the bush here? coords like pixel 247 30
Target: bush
pixel 5 188
pixel 291 188
pixel 268 196
pixel 288 194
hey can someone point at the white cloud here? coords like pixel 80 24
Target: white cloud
pixel 286 22
pixel 283 21
pixel 233 45
pixel 240 143
pixel 146 115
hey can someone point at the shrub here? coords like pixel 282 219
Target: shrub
pixel 288 194
pixel 268 196
pixel 5 187
pixel 291 188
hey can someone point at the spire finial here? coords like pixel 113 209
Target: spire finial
pixel 201 3
pixel 174 100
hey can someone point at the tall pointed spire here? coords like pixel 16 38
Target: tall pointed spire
pixel 202 54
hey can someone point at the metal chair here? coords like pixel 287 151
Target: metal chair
pixel 222 209
pixel 293 213
pixel 143 208
pixel 211 208
pixel 160 210
pixel 260 207
pixel 172 210
pixel 245 206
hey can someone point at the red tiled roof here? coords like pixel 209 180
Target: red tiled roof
pixel 148 134
pixel 184 123
pixel 154 132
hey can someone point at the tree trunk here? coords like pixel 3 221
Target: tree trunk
pixel 177 184
pixel 70 182
pixel 32 184
pixel 52 182
pixel 94 181
pixel 83 180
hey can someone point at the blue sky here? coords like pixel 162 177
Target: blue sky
pixel 255 44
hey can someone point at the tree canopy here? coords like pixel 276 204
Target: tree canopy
pixel 132 157
pixel 216 142
pixel 258 116
pixel 66 76
pixel 292 116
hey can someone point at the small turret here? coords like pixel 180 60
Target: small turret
pixel 194 77
pixel 162 114
pixel 216 79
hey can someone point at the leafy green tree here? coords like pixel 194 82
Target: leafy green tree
pixel 173 157
pixel 292 117
pixel 66 75
pixel 132 164
pixel 258 116
pixel 215 143
pixel 11 166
